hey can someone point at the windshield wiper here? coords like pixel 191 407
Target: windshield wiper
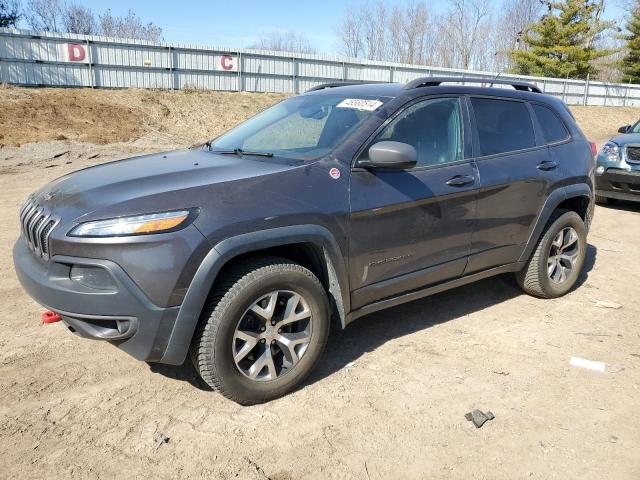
pixel 240 152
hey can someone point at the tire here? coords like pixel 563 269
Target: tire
pixel 535 278
pixel 230 316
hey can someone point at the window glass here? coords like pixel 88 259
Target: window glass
pixel 432 127
pixel 303 127
pixel 503 125
pixel 553 130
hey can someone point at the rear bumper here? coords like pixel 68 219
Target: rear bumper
pixel 619 184
pixel 123 316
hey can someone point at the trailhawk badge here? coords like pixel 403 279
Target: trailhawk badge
pixel 334 173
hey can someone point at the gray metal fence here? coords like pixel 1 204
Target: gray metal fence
pixel 55 59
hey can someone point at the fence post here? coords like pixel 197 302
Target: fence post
pixel 171 73
pixel 585 98
pixel 626 94
pixel 296 76
pixel 564 91
pixel 344 71
pixel 92 81
pixel 240 86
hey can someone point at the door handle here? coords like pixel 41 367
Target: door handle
pixel 547 165
pixel 461 180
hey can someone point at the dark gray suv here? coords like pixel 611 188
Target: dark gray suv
pixel 333 204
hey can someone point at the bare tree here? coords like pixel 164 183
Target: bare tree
pixel 350 36
pixel 79 19
pixel 374 19
pixel 45 15
pixel 129 26
pixel 9 13
pixel 465 23
pixel 408 33
pixel 516 16
pixel 362 32
pixel 289 41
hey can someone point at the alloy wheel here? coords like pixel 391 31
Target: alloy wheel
pixel 272 335
pixel 563 255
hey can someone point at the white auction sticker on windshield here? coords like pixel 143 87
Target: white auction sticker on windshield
pixel 360 104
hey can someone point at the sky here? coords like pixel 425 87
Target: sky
pixel 240 23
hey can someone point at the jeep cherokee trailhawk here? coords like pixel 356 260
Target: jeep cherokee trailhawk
pixel 336 203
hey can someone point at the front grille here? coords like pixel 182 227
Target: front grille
pixel 36 224
pixel 633 154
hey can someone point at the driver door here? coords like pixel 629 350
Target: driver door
pixel 412 228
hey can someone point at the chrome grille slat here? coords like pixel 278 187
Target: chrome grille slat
pixel 36 223
pixel 25 214
pixel 32 217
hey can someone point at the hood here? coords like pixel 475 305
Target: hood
pixel 149 183
pixel 626 138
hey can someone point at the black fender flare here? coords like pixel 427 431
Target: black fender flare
pixel 196 296
pixel 555 198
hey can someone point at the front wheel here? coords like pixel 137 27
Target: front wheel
pixel 262 331
pixel 558 258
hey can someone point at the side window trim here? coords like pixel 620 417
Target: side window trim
pixel 474 127
pixel 567 132
pixel 465 127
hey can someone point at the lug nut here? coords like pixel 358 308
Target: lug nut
pixel 262 329
pixel 279 330
pixel 272 342
pixel 273 322
pixel 262 340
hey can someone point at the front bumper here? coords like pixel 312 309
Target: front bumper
pixel 123 316
pixel 619 184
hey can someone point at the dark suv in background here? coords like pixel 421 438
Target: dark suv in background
pixel 337 203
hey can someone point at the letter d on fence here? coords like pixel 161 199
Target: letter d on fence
pixel 75 52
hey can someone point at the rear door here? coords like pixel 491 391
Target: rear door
pixel 411 228
pixel 516 175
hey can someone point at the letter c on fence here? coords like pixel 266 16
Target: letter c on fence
pixel 76 52
pixel 226 62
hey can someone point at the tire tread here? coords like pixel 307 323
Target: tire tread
pixel 530 277
pixel 233 282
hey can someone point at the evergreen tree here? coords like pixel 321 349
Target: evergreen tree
pixel 630 64
pixel 563 43
pixel 9 13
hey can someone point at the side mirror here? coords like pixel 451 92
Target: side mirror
pixel 390 155
pixel 624 129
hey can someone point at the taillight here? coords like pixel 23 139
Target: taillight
pixel 594 149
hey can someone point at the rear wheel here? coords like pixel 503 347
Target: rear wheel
pixel 558 258
pixel 262 331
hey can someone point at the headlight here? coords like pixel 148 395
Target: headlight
pixel 139 225
pixel 611 152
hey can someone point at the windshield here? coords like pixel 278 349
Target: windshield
pixel 304 127
pixel 635 128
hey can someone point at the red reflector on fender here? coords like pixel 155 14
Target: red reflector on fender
pixel 594 149
pixel 50 317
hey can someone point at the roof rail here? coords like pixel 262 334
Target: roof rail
pixel 435 81
pixel 322 86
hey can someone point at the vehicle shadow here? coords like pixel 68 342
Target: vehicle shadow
pixel 185 373
pixel 370 332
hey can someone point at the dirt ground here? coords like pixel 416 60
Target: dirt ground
pixel 387 401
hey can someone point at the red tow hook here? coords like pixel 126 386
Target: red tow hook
pixel 50 317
